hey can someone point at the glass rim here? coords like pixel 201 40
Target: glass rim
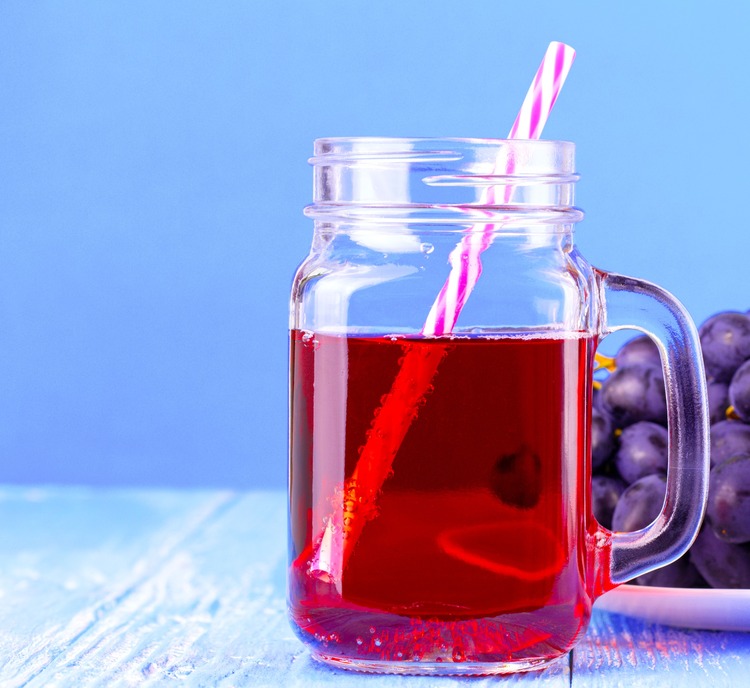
pixel 448 139
pixel 431 180
pixel 548 154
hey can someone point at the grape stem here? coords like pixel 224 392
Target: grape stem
pixel 603 362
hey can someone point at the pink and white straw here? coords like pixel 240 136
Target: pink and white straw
pixel 465 261
pixel 340 531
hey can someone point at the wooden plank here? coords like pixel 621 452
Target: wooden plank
pixel 69 558
pixel 622 651
pixel 132 588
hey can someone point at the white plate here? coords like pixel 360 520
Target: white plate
pixel 718 610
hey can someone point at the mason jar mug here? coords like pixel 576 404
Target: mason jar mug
pixel 443 332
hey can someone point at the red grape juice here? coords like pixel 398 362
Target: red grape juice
pixel 439 498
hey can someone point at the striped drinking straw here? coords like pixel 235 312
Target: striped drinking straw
pixel 354 504
pixel 466 265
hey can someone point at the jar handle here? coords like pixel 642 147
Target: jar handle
pixel 631 303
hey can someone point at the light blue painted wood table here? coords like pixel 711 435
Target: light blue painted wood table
pixel 141 588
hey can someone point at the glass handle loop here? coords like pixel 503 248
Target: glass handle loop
pixel 636 304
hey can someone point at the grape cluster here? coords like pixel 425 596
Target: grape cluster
pixel 629 452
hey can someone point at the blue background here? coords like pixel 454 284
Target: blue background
pixel 153 173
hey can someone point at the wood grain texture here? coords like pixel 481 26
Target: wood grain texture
pixel 146 588
pixel 621 651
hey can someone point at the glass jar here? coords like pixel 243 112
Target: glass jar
pixel 443 332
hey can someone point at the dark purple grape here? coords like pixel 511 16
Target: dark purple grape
pixel 640 504
pixel 605 493
pixel 635 393
pixel 603 440
pixel 596 399
pixel 638 351
pixel 722 564
pixel 739 391
pixel 718 400
pixel 728 509
pixel 679 574
pixel 643 451
pixel 725 340
pixel 729 438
